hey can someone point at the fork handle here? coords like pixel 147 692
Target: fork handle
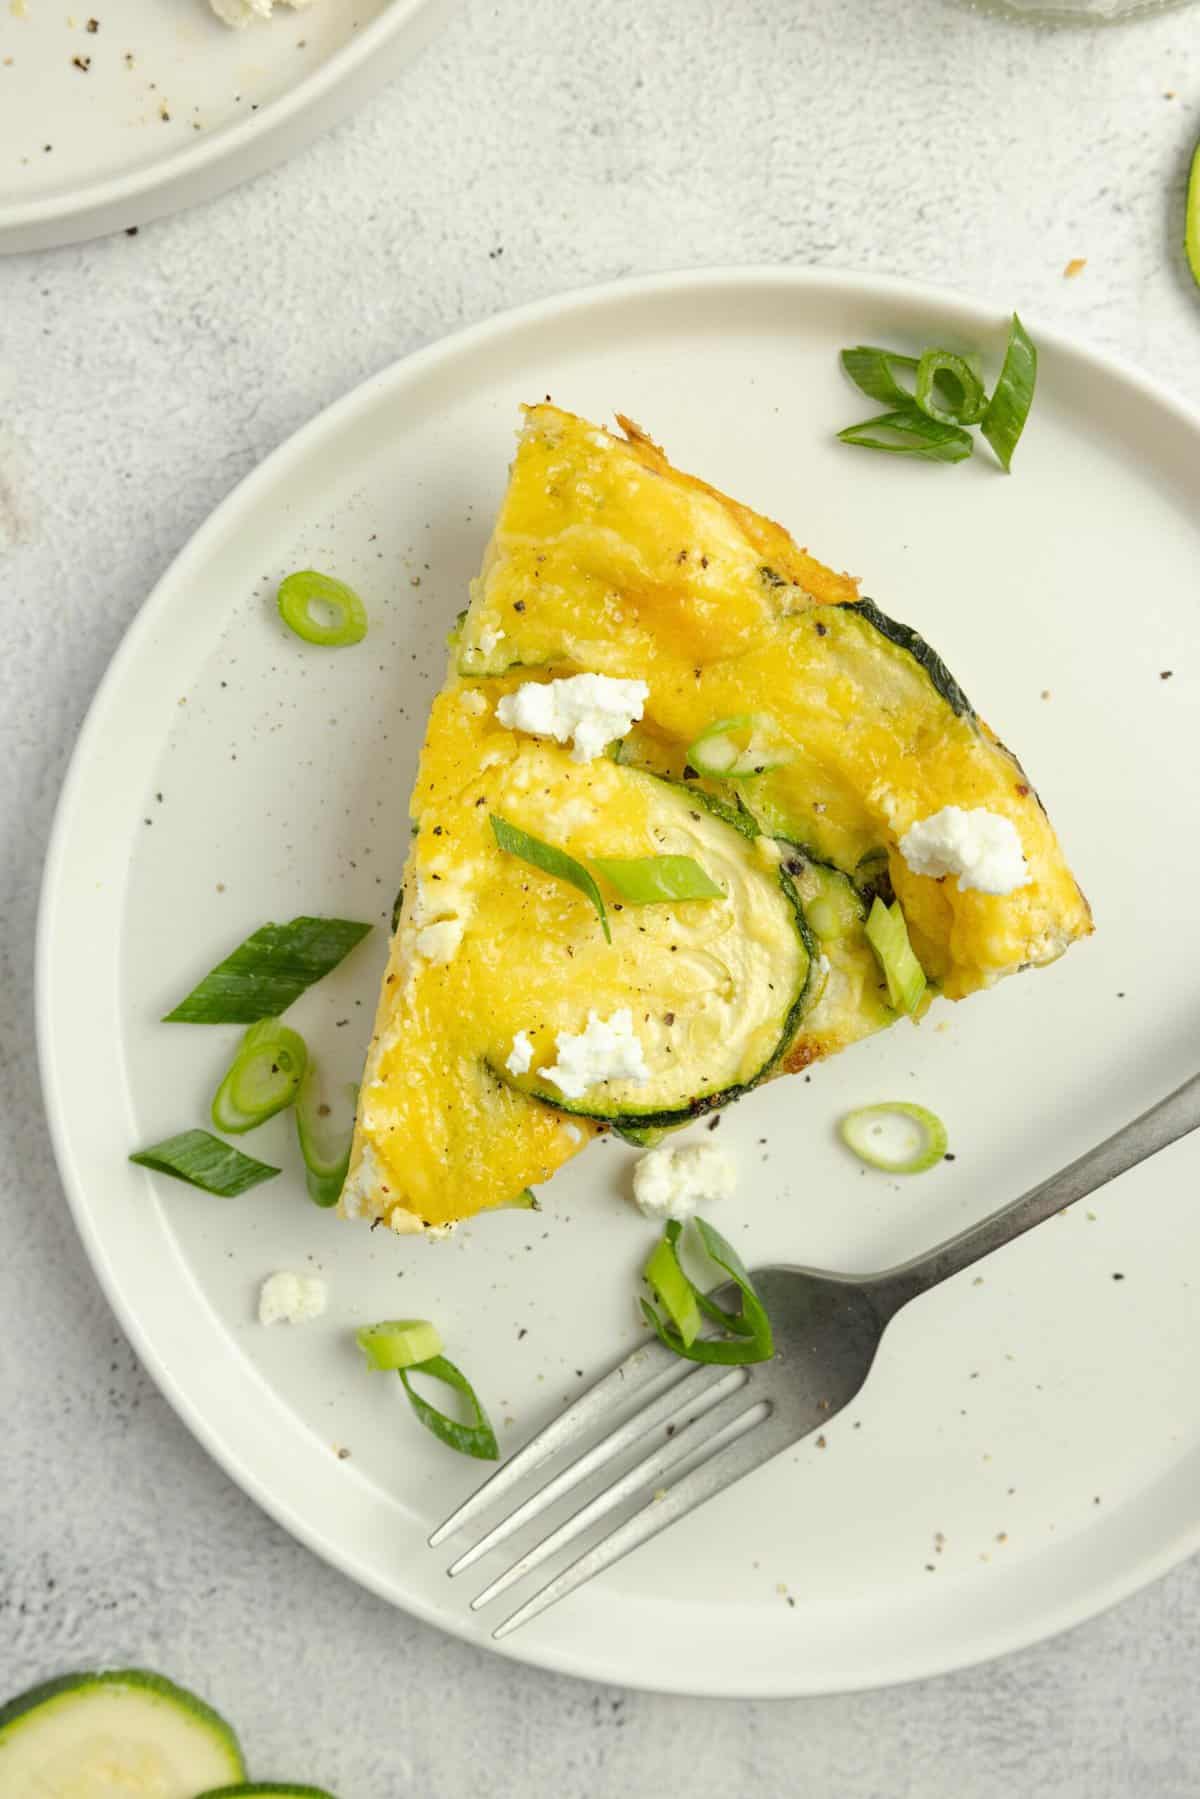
pixel 1171 1118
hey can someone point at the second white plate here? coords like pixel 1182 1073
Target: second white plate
pixel 1028 1447
pixel 126 110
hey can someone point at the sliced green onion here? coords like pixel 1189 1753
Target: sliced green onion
pixel 871 369
pixel 663 1274
pixel 910 434
pixel 749 1327
pixel 325 1135
pixel 887 933
pixel 898 1137
pixel 399 1343
pixel 735 749
pixel 949 390
pixel 1191 226
pixel 306 600
pixel 525 1201
pixel 477 1438
pixel 204 1161
pixel 263 1077
pixel 550 861
pixel 273 967
pixel 1004 420
pixel 651 880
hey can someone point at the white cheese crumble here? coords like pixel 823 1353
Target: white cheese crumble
pixel 608 1050
pixel 671 1182
pixel 439 942
pixel 472 701
pixel 287 1298
pixel 240 12
pixel 520 1057
pixel 982 848
pixel 588 711
pixel 439 913
pixel 489 640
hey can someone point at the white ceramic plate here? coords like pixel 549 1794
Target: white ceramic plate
pixel 1028 1447
pixel 161 105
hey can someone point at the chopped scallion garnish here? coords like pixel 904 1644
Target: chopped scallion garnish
pixel 871 369
pixel 736 749
pixel 203 1160
pixel 476 1438
pixel 550 861
pixel 322 610
pixel 1008 408
pixel 887 933
pixel 898 1137
pixel 263 1077
pixel 399 1343
pixel 928 420
pixel 273 967
pixel 325 1132
pixel 949 390
pixel 656 880
pixel 667 1280
pixel 910 434
pixel 748 1329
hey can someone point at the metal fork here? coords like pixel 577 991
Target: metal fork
pixel 710 1425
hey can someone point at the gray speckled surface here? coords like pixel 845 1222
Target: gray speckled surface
pixel 535 147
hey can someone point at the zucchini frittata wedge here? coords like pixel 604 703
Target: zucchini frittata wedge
pixel 661 695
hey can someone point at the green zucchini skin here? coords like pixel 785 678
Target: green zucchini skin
pixel 914 645
pixel 267 1789
pixel 145 1678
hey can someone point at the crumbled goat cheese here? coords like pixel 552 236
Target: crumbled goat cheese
pixel 240 12
pixel 589 711
pixel 520 1057
pixel 471 700
pixel 671 1182
pixel 439 942
pixel 608 1050
pixel 286 1298
pixel 982 848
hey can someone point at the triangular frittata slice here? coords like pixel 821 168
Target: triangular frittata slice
pixel 755 721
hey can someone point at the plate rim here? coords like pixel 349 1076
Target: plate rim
pixel 1142 1571
pixel 210 166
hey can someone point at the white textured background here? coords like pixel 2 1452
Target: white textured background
pixel 540 144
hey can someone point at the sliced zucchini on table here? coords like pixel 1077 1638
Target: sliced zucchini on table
pixel 116 1734
pixel 267 1789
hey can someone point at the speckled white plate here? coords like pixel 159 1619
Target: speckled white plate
pixel 125 110
pixel 1027 1449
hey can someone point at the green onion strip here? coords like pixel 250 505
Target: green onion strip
pixel 887 933
pixel 270 969
pixel 204 1161
pixel 263 1078
pixel 322 610
pixel 550 861
pixel 325 1131
pixel 1008 409
pixel 749 1337
pixel 896 1136
pixel 476 1438
pixel 655 880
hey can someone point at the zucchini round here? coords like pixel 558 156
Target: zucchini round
pixel 716 988
pixel 121 1730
